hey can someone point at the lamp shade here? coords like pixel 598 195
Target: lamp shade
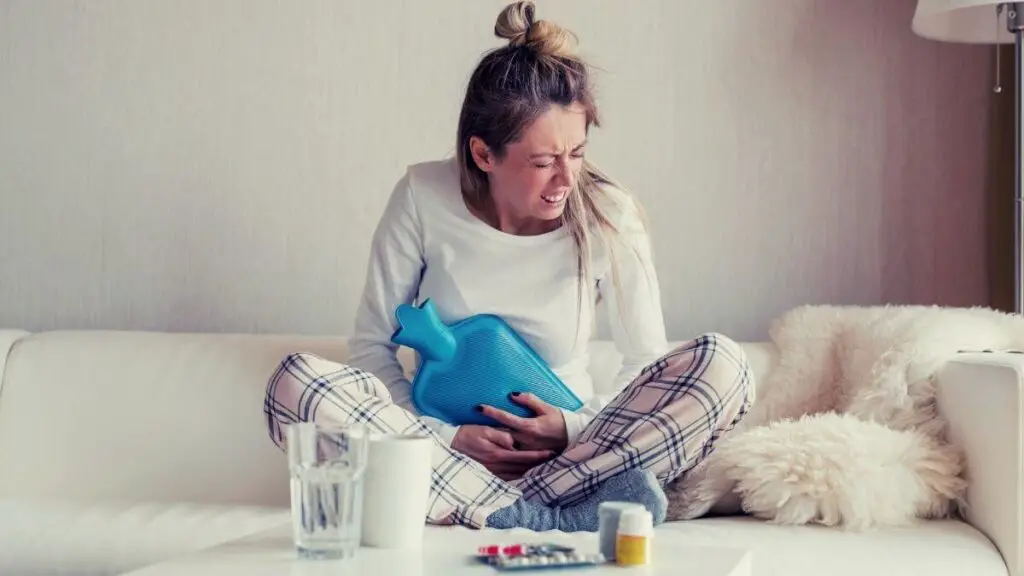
pixel 970 21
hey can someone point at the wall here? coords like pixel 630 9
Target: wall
pixel 219 165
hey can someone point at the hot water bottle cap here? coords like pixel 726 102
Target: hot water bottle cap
pixel 477 360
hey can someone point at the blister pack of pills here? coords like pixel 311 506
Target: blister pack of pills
pixel 536 556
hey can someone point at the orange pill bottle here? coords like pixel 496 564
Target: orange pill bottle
pixel 633 538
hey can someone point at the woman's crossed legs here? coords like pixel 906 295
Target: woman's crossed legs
pixel 661 425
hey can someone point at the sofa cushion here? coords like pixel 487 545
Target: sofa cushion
pixel 932 548
pixel 110 538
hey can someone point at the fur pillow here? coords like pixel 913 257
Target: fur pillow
pixel 835 470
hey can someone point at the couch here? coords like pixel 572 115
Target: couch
pixel 122 449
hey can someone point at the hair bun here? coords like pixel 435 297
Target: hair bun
pixel 517 25
pixel 514 22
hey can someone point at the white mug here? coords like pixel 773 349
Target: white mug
pixel 396 490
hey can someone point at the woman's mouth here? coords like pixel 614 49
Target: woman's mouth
pixel 555 199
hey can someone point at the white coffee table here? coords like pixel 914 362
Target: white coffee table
pixel 446 551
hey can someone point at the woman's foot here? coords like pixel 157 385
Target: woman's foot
pixel 634 485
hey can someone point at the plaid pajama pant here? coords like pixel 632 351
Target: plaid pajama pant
pixel 666 420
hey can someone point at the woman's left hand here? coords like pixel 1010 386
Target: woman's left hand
pixel 545 431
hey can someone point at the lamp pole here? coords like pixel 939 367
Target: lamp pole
pixel 1015 25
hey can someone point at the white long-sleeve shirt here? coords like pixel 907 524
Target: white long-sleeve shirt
pixel 429 245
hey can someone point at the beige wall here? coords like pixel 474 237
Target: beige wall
pixel 219 165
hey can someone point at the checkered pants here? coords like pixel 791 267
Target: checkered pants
pixel 667 420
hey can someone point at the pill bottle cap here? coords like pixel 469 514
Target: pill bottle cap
pixel 636 522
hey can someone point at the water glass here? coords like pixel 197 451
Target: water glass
pixel 326 465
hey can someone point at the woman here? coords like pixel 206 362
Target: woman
pixel 519 224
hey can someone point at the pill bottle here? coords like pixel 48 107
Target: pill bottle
pixel 633 537
pixel 608 525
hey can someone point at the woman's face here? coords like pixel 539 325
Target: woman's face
pixel 532 182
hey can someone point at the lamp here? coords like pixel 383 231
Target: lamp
pixel 987 22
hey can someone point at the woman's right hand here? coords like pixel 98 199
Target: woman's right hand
pixel 495 449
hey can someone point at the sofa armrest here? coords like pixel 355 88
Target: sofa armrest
pixel 980 395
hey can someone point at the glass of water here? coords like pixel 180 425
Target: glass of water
pixel 326 465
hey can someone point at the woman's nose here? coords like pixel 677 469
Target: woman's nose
pixel 564 175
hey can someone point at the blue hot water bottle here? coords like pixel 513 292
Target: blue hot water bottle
pixel 478 360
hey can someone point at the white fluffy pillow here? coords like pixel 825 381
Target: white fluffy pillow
pixel 835 470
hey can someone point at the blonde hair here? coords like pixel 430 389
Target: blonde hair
pixel 513 85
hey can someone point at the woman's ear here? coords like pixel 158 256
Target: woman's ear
pixel 481 153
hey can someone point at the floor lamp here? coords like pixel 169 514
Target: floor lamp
pixel 987 22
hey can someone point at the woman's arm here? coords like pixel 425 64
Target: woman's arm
pixel 633 306
pixel 392 278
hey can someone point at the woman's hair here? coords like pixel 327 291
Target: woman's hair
pixel 510 88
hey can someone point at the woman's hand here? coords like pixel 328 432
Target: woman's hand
pixel 494 448
pixel 545 431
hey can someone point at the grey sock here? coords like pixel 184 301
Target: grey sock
pixel 634 485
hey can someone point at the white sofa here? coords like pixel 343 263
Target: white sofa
pixel 122 449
